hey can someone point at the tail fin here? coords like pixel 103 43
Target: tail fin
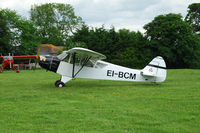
pixel 157 69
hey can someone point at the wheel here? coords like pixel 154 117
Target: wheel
pixel 57 82
pixel 60 84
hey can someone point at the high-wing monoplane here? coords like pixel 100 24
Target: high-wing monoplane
pixel 84 63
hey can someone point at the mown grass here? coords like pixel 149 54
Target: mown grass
pixel 30 103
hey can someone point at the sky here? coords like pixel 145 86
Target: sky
pixel 129 14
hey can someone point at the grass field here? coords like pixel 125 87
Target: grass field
pixel 30 103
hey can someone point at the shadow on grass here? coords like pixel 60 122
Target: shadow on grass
pixel 77 83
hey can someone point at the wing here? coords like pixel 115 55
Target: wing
pixel 83 52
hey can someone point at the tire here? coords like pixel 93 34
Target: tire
pixel 60 84
pixel 57 82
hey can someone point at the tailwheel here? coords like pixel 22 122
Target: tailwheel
pixel 59 83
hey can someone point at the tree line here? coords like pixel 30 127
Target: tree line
pixel 171 36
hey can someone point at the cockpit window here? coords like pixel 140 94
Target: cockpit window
pixel 82 60
pixel 89 64
pixel 67 58
pixel 79 60
pixel 62 56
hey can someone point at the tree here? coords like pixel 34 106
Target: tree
pixel 17 34
pixel 193 17
pixel 134 51
pixel 55 22
pixel 28 39
pixel 172 38
pixel 10 31
pixel 4 35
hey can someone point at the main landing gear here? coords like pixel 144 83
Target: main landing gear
pixel 59 83
pixel 62 81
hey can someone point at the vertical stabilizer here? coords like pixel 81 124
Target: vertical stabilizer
pixel 156 68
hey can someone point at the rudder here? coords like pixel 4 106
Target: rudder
pixel 156 68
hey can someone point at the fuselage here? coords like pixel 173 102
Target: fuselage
pixel 100 70
pixel 84 63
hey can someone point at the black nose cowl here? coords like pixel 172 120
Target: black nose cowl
pixel 49 62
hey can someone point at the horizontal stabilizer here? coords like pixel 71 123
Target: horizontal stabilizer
pixel 144 73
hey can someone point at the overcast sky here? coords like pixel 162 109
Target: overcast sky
pixel 129 14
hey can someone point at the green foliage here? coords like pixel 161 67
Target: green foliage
pixel 76 44
pixel 55 22
pixel 7 30
pixel 134 51
pixel 73 45
pixel 4 34
pixel 17 31
pixel 29 40
pixel 193 17
pixel 172 38
pixel 30 102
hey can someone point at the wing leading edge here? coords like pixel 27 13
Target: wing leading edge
pixel 87 53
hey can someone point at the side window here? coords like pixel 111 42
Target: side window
pixel 81 61
pixel 70 59
pixel 89 64
pixel 100 65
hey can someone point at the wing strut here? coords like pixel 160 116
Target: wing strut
pixel 74 57
pixel 84 63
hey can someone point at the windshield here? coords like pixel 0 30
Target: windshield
pixel 62 56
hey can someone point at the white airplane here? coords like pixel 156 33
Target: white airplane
pixel 84 63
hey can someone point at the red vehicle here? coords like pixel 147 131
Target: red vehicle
pixel 8 61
